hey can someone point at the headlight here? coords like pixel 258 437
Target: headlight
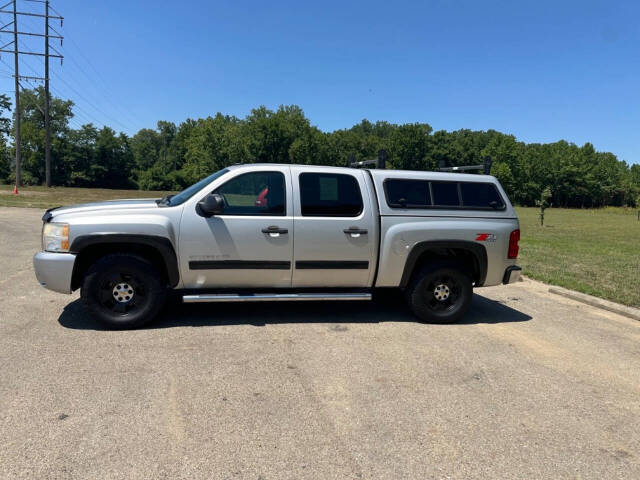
pixel 55 237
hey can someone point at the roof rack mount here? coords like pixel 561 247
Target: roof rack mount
pixel 380 162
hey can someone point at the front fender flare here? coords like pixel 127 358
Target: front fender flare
pixel 162 244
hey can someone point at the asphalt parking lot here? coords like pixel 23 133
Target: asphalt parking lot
pixel 531 385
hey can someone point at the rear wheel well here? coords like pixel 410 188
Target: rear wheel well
pixel 92 253
pixel 466 258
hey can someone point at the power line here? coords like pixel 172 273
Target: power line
pixel 105 84
pixel 90 103
pixel 24 27
pixel 100 87
pixel 17 32
pixel 115 105
pixel 79 110
pixel 103 93
pixel 24 61
pixel 87 101
pixel 86 116
pixel 89 117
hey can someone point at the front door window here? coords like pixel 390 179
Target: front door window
pixel 256 193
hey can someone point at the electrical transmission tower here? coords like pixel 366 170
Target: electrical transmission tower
pixel 15 31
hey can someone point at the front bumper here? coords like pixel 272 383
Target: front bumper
pixel 512 274
pixel 54 270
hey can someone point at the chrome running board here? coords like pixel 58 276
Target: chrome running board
pixel 274 297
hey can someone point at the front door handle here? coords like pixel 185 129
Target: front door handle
pixel 274 231
pixel 355 232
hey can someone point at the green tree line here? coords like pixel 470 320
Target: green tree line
pixel 171 157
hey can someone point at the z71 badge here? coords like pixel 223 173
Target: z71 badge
pixel 485 237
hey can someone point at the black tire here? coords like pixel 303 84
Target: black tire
pixel 423 299
pixel 123 291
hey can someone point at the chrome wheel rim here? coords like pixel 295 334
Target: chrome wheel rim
pixel 441 292
pixel 123 292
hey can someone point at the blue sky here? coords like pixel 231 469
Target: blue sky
pixel 540 70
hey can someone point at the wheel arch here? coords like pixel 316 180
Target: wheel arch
pixel 471 253
pixel 158 250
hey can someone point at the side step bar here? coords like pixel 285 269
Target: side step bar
pixel 274 297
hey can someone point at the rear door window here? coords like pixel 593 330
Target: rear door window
pixel 329 195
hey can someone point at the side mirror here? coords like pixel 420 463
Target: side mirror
pixel 212 204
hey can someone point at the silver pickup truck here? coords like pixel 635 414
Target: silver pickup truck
pixel 268 232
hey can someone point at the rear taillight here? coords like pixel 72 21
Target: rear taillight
pixel 514 238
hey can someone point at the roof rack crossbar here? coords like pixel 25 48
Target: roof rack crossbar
pixel 485 167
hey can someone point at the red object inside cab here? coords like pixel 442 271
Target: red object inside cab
pixel 261 201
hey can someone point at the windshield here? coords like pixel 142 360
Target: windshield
pixel 189 192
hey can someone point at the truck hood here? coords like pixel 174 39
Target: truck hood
pixel 132 204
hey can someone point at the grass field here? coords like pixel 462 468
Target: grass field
pixel 43 197
pixel 592 251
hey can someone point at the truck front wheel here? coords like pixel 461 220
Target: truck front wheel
pixel 123 291
pixel 440 293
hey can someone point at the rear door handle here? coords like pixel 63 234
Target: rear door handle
pixel 355 232
pixel 274 231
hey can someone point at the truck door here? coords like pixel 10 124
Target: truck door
pixel 335 233
pixel 250 244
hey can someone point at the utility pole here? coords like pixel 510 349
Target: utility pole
pixel 47 126
pixel 17 87
pixel 16 55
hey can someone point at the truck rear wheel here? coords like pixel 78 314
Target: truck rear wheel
pixel 123 291
pixel 440 293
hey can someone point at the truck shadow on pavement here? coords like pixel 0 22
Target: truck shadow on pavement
pixel 389 308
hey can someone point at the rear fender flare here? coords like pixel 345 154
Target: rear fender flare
pixel 478 251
